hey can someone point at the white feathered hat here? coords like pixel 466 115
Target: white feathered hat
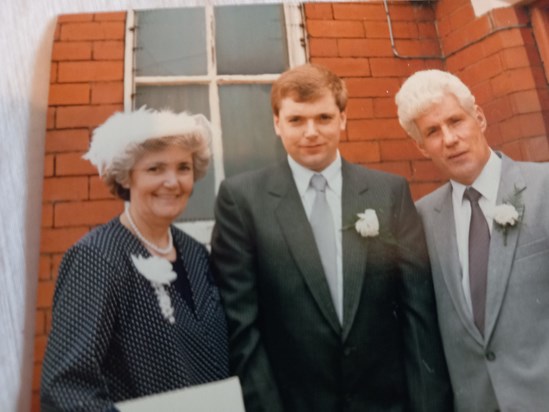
pixel 125 130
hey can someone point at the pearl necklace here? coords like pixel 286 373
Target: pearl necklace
pixel 157 249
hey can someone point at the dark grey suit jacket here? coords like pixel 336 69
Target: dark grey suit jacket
pixel 286 343
pixel 508 369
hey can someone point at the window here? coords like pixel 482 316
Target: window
pixel 219 61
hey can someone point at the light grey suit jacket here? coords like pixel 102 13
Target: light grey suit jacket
pixel 508 369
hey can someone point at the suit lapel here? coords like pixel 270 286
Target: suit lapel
pixel 354 248
pixel 445 242
pixel 502 251
pixel 297 232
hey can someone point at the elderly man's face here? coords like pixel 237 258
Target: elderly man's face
pixel 161 183
pixel 454 139
pixel 310 131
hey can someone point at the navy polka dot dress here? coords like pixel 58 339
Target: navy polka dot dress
pixel 109 339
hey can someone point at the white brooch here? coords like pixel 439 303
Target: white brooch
pixel 367 224
pixel 509 213
pixel 159 272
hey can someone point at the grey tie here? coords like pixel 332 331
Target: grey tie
pixel 322 224
pixel 479 247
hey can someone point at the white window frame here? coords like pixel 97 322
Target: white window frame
pixel 297 54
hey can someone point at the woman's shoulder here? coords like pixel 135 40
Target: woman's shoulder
pixel 104 244
pixel 105 237
pixel 97 262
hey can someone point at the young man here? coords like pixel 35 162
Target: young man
pixel 489 260
pixel 330 321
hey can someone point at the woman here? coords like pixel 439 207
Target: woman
pixel 135 310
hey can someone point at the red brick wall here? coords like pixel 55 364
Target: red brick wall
pixel 86 87
pixel 500 64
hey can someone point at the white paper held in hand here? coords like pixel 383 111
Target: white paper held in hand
pixel 220 396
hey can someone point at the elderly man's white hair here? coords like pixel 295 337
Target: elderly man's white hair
pixel 423 89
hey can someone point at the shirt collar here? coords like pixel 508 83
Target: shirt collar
pixel 302 175
pixel 484 183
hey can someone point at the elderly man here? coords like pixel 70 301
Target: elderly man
pixel 322 317
pixel 488 237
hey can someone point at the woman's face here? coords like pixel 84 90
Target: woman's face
pixel 160 184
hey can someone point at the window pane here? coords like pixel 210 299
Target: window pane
pixel 171 42
pixel 250 39
pixel 192 98
pixel 201 203
pixel 249 140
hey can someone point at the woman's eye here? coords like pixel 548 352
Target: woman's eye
pixel 154 169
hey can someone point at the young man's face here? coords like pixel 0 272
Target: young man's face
pixel 310 131
pixel 454 139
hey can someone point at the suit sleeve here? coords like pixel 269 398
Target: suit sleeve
pixel 428 382
pixel 234 263
pixel 83 319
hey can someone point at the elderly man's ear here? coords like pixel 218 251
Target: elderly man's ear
pixel 479 114
pixel 421 149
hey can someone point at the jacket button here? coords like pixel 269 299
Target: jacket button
pixel 348 350
pixel 491 356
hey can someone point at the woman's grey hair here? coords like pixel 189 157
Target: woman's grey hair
pixel 425 88
pixel 118 173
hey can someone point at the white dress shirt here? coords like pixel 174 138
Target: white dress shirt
pixel 332 174
pixel 487 184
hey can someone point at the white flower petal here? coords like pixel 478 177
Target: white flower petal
pixel 155 269
pixel 159 272
pixel 506 214
pixel 367 224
